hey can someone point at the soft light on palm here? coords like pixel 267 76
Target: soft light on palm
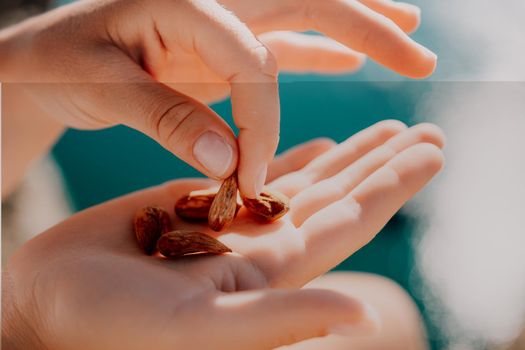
pixel 103 285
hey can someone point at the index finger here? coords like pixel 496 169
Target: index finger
pixel 233 52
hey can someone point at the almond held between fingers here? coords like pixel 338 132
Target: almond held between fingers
pixel 149 224
pixel 269 206
pixel 184 242
pixel 224 205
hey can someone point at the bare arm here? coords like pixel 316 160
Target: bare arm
pixel 27 134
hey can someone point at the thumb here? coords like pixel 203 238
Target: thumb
pixel 272 318
pixel 185 127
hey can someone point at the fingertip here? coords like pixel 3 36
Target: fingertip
pixel 425 64
pixel 322 143
pixel 339 64
pixel 351 316
pixel 369 324
pixel 333 302
pixel 434 159
pixel 351 59
pixel 342 58
pixel 430 133
pixel 260 180
pixel 390 127
pixel 348 63
pixel 257 149
pixel 405 15
pixel 411 17
pixel 251 180
pixel 421 161
pixel 356 60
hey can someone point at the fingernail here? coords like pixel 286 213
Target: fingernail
pixel 261 179
pixel 367 326
pixel 214 153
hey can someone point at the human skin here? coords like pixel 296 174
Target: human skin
pixel 400 327
pixel 85 283
pixel 152 65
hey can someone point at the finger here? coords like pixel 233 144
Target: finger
pixel 325 192
pixel 337 231
pixel 339 157
pixel 185 127
pixel 233 52
pixel 297 52
pixel 297 157
pixel 406 16
pixel 364 30
pixel 266 319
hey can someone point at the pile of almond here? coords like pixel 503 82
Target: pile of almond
pixel 153 227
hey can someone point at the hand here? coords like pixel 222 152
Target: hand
pixel 99 64
pixel 85 284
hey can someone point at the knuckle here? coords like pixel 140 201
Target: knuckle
pixel 166 122
pixel 259 65
pixel 266 61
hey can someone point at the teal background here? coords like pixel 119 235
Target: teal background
pixel 100 165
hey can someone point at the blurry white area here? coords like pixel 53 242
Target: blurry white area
pixel 38 203
pixel 489 32
pixel 472 255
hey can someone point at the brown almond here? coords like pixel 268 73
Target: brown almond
pixel 269 206
pixel 195 207
pixel 184 242
pixel 149 224
pixel 224 205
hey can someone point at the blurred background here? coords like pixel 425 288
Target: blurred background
pixel 458 248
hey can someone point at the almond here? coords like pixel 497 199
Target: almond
pixel 224 205
pixel 149 224
pixel 269 206
pixel 195 206
pixel 184 242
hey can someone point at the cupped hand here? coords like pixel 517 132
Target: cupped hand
pixel 100 63
pixel 85 284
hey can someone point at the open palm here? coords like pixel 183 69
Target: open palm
pixel 88 285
